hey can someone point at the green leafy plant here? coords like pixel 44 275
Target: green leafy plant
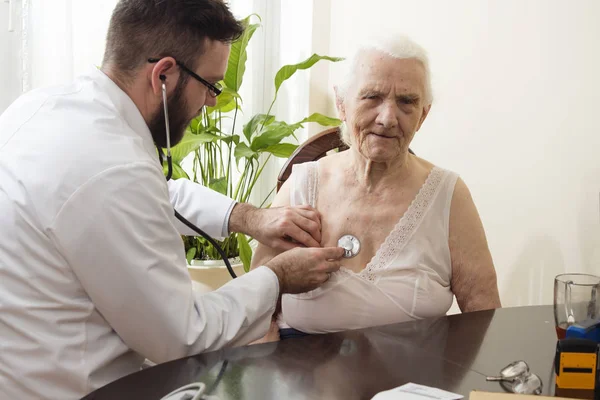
pixel 217 148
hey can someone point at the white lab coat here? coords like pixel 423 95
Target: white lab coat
pixel 93 275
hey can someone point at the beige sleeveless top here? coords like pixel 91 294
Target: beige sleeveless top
pixel 408 278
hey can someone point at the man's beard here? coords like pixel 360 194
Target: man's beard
pixel 178 119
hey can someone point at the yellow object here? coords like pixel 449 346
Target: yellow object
pixel 577 371
pixel 576 364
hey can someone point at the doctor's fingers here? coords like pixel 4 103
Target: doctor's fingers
pixel 304 231
pixel 328 259
pixel 329 253
pixel 309 225
pixel 325 273
pixel 307 219
pixel 331 266
pixel 310 213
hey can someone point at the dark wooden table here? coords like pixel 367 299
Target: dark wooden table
pixel 454 353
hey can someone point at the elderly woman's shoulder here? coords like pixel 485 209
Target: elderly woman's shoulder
pixel 332 160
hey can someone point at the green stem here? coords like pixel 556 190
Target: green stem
pixel 207 163
pixel 230 146
pixel 234 116
pixel 244 194
pixel 201 165
pixel 210 162
pixel 222 173
pixel 228 172
pixel 206 120
pixel 258 174
pixel 240 182
pixel 213 161
pixel 195 165
pixel 268 113
pixel 266 198
pixel 247 178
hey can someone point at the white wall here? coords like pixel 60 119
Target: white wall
pixel 517 99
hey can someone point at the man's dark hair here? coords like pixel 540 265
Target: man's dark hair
pixel 141 29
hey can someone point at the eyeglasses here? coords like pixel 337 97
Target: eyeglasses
pixel 517 378
pixel 213 89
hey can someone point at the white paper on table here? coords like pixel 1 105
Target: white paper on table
pixel 412 391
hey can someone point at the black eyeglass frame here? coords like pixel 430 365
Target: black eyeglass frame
pixel 213 89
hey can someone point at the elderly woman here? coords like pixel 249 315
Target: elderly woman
pixel 421 238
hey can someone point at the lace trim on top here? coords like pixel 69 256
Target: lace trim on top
pixel 404 229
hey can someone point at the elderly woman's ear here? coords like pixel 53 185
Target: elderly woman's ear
pixel 425 113
pixel 339 103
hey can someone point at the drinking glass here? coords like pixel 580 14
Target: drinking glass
pixel 575 300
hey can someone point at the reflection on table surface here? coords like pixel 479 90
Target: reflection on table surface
pixel 454 353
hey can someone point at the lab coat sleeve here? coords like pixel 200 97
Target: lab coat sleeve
pixel 207 209
pixel 117 233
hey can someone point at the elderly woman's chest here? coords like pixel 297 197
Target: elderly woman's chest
pixel 369 219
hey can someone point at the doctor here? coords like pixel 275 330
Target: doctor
pixel 92 266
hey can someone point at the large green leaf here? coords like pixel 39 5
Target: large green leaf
pixel 219 185
pixel 210 129
pixel 206 137
pixel 232 105
pixel 253 124
pixel 230 138
pixel 195 124
pixel 287 71
pixel 238 56
pixel 322 120
pixel 187 145
pixel 243 151
pixel 273 134
pixel 282 150
pixel 245 251
pixel 225 102
pixel 191 253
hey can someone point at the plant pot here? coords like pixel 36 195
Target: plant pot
pixel 209 275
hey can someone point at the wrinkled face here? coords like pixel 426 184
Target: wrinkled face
pixel 385 106
pixel 190 95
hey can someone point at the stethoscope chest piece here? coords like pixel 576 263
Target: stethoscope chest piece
pixel 350 244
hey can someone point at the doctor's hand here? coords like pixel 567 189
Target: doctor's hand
pixel 280 228
pixel 303 269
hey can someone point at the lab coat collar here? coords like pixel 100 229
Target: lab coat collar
pixel 125 106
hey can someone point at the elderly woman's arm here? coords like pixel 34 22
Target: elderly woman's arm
pixel 473 275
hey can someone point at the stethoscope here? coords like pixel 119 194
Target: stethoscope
pixel 349 243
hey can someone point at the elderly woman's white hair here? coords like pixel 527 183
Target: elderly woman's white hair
pixel 399 47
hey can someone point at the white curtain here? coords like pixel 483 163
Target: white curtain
pixel 11 36
pixel 64 38
pixel 284 38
